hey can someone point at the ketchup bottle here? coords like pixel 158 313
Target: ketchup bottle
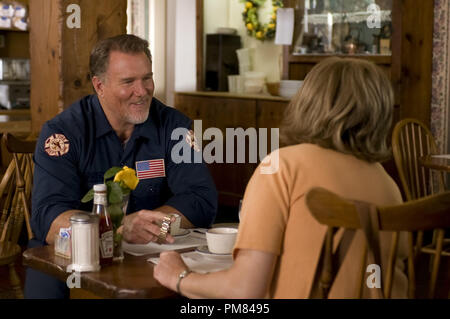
pixel 105 225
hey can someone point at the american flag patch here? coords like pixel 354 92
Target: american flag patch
pixel 150 169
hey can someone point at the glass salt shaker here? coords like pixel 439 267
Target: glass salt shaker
pixel 85 243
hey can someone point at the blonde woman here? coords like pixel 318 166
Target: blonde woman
pixel 337 126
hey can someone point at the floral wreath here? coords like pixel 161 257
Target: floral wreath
pixel 254 27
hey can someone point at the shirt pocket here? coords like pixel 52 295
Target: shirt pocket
pixel 148 188
pixel 149 194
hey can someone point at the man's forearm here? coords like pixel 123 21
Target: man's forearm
pixel 62 221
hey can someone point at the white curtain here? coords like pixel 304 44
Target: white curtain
pixel 147 19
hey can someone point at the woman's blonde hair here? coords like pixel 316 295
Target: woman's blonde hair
pixel 345 105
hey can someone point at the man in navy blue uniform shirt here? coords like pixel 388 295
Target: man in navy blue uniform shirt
pixel 122 125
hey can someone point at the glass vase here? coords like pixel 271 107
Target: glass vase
pixel 117 212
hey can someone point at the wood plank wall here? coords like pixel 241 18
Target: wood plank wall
pixel 45 39
pixel 60 55
pixel 416 59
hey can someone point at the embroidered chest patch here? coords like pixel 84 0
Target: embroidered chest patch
pixel 56 145
pixel 150 169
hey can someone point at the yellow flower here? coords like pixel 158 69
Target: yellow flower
pixel 250 26
pixel 259 34
pixel 128 177
pixel 248 5
pixel 275 9
pixel 274 16
pixel 271 25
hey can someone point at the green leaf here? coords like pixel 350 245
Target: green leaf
pixel 116 214
pixel 88 197
pixel 115 210
pixel 117 239
pixel 112 172
pixel 114 193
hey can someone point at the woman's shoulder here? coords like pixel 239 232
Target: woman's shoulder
pixel 289 159
pixel 304 151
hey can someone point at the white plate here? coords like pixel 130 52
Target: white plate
pixel 183 234
pixel 204 250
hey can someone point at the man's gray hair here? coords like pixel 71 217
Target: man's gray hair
pixel 126 43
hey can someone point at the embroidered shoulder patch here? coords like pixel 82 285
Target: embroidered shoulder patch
pixel 56 145
pixel 192 140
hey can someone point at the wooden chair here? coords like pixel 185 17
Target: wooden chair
pixel 411 139
pixel 15 195
pixel 429 213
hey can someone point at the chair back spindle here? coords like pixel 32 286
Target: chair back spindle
pixel 428 213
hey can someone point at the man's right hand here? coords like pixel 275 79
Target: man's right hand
pixel 143 227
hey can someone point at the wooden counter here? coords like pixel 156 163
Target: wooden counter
pixel 229 95
pixel 224 110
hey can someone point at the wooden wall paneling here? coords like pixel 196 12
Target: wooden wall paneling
pixel 45 44
pixel 100 19
pixel 60 55
pixel 416 59
pixel 396 47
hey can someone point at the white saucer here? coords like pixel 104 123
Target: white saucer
pixel 184 233
pixel 205 250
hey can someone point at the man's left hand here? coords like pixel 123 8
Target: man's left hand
pixel 143 227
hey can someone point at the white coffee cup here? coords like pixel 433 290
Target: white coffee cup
pixel 175 227
pixel 221 240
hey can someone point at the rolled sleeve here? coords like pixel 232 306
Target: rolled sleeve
pixel 56 185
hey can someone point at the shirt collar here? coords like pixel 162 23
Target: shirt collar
pixel 146 129
pixel 101 122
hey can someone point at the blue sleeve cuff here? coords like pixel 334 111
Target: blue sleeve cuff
pixel 43 218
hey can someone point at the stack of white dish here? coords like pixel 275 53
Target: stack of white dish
pixel 288 88
pixel 254 82
pixel 245 58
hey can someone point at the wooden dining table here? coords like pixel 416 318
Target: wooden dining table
pixel 130 278
pixel 436 162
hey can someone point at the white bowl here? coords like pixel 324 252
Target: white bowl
pixel 291 84
pixel 221 240
pixel 287 93
pixel 253 88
